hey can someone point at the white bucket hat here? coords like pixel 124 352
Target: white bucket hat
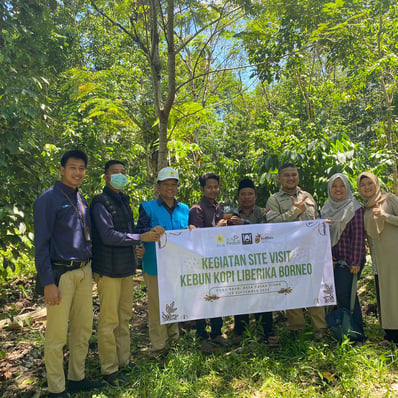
pixel 166 173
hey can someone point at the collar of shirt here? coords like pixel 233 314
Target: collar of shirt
pixel 161 202
pixel 296 194
pixel 246 213
pixel 207 202
pixel 65 188
pixel 121 198
pixel 117 195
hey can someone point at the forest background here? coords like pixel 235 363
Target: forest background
pixel 235 87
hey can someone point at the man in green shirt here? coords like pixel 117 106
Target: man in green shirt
pixel 291 203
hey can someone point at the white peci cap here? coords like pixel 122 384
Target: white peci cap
pixel 166 173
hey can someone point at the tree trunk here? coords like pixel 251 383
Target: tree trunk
pixel 163 151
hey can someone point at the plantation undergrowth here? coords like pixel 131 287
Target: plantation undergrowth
pixel 300 367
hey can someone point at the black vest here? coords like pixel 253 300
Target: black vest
pixel 113 261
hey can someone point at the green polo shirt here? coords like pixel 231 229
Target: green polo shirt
pixel 282 209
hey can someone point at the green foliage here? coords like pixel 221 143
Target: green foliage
pixel 31 53
pixel 71 78
pixel 338 61
pixel 318 159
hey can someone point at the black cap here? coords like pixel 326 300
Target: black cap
pixel 246 183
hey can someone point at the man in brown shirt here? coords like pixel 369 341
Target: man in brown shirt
pixel 291 203
pixel 204 214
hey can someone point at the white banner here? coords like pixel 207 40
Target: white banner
pixel 244 269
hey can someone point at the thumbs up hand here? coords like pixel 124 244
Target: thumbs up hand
pixel 300 204
pixel 378 211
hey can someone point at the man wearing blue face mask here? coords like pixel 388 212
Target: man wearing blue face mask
pixel 114 264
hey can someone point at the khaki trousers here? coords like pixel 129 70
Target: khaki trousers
pixel 75 308
pixel 159 335
pixel 296 321
pixel 116 303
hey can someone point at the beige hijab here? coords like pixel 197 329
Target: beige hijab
pixel 373 225
pixel 340 212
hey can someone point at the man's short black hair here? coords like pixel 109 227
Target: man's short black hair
pixel 207 176
pixel 74 153
pixel 286 166
pixel 110 163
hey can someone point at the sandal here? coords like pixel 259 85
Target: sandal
pixel 222 340
pixel 272 341
pixel 207 347
pixel 236 339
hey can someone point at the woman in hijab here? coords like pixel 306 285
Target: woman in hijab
pixel 381 225
pixel 347 236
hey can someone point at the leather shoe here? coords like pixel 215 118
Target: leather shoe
pixel 62 394
pixel 84 385
pixel 116 379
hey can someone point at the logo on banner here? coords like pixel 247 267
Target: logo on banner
pixel 233 240
pixel 261 238
pixel 247 239
pixel 220 240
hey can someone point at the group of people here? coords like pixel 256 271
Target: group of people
pixel 75 244
pixel 351 223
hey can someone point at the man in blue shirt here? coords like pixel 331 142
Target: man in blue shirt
pixel 113 266
pixel 170 214
pixel 63 262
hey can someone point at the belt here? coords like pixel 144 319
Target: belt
pixel 74 264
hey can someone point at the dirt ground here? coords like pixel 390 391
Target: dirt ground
pixel 22 372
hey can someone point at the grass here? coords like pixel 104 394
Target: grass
pixel 301 367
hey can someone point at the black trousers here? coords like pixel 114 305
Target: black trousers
pixel 216 325
pixel 264 319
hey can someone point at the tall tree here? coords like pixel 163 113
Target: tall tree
pixel 342 56
pixel 362 37
pixel 151 26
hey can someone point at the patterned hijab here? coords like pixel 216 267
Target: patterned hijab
pixel 340 212
pixel 373 225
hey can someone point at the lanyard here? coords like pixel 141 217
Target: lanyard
pixel 81 216
pixel 86 228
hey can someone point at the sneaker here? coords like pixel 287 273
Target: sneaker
pixel 62 394
pixel 116 379
pixel 294 333
pixel 84 385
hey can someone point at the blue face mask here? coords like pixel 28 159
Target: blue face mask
pixel 118 181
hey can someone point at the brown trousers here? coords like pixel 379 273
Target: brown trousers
pixel 75 310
